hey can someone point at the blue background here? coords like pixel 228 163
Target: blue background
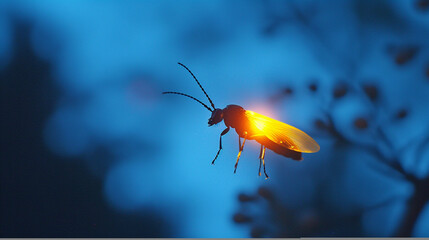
pixel 90 147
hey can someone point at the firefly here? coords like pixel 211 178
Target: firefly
pixel 277 136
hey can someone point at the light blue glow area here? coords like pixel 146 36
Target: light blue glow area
pixel 127 188
pixel 109 115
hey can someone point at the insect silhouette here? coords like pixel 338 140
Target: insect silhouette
pixel 277 136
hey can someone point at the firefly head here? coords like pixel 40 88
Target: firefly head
pixel 217 117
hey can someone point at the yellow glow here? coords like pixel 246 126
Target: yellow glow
pixel 260 125
pixel 282 133
pixel 263 109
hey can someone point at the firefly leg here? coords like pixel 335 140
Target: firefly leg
pixel 239 143
pixel 261 155
pixel 263 163
pixel 220 143
pixel 241 146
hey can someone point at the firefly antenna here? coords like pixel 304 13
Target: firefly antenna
pixel 199 85
pixel 186 95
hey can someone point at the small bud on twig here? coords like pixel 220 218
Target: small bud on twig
pixel 245 198
pixel 266 193
pixel 401 114
pixel 313 87
pixel 241 218
pixel 422 5
pixel 405 55
pixel 361 123
pixel 371 91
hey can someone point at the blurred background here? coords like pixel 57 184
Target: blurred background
pixel 90 147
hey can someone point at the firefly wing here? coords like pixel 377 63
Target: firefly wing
pixel 282 133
